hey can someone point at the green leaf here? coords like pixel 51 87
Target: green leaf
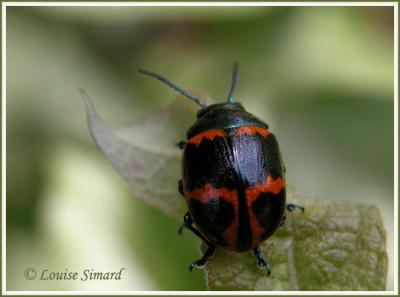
pixel 331 246
pixel 145 153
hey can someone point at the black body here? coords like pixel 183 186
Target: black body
pixel 236 163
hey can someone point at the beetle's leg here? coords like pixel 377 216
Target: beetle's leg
pixel 180 187
pixel 188 222
pixel 181 144
pixel 282 221
pixel 260 259
pixel 203 260
pixel 291 207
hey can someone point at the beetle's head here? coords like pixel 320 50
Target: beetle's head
pixel 226 106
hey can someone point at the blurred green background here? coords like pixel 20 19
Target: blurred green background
pixel 321 77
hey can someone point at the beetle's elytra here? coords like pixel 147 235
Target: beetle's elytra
pixel 233 178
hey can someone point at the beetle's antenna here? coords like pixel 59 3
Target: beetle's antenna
pixel 172 85
pixel 234 81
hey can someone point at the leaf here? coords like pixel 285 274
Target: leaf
pixel 332 246
pixel 145 153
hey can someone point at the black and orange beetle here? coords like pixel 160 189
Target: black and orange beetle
pixel 232 178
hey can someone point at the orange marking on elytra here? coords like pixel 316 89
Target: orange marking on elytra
pixel 251 130
pixel 230 235
pixel 210 135
pixel 256 229
pixel 270 185
pixel 207 193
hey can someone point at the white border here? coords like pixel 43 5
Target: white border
pixel 3 150
pixel 396 148
pixel 188 4
pixel 200 3
pixel 198 293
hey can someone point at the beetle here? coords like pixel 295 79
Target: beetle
pixel 233 177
